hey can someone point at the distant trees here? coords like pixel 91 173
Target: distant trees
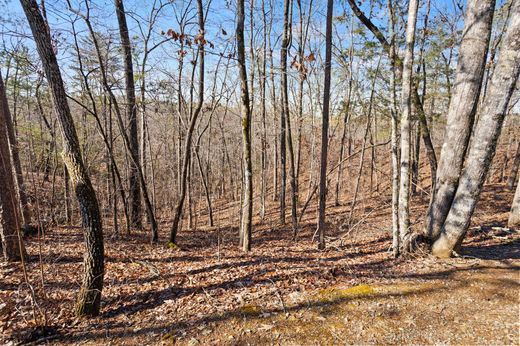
pixel 192 156
pixel 89 298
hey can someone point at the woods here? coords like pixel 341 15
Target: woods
pixel 157 148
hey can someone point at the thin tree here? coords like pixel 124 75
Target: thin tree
pixel 13 249
pixel 416 100
pixel 247 194
pixel 201 41
pixel 15 156
pixel 514 215
pixel 284 113
pixel 325 127
pixel 514 169
pixel 131 114
pixel 406 112
pixel 395 135
pixel 89 298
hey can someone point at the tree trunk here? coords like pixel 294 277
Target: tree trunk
pixel 425 131
pixel 12 247
pixel 514 170
pixel 90 292
pixel 131 114
pixel 247 199
pixel 464 100
pixel 325 128
pixel 514 216
pixel 394 136
pixel 483 145
pixel 15 156
pixel 284 114
pixel 406 110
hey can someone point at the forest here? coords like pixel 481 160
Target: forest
pixel 260 172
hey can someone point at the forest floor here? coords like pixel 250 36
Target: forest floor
pixel 284 292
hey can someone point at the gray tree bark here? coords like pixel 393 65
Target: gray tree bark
pixel 394 137
pixel 406 110
pixel 484 142
pixel 463 106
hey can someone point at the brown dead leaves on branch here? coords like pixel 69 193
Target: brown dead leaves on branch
pixel 299 64
pixel 187 40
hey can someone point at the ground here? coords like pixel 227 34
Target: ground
pixel 285 292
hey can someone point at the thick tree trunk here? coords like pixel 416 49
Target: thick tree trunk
pixel 483 144
pixel 325 128
pixel 131 114
pixel 90 293
pixel 247 195
pixel 406 110
pixel 12 247
pixel 464 100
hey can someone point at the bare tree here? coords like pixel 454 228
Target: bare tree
pixel 406 110
pixel 201 41
pixel 325 127
pixel 394 135
pixel 89 298
pixel 13 248
pixel 131 114
pixel 247 194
